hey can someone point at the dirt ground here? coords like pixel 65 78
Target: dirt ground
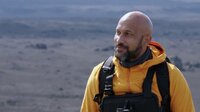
pixel 49 75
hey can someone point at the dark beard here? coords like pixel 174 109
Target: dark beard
pixel 123 56
pixel 139 60
pixel 130 55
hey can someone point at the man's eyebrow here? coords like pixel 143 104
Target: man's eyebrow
pixel 130 31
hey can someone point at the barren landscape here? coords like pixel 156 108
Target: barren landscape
pixel 50 74
pixel 47 54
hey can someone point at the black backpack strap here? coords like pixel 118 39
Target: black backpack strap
pixel 167 60
pixel 108 90
pixel 162 75
pixel 147 84
pixel 105 73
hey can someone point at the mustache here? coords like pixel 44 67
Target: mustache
pixel 122 45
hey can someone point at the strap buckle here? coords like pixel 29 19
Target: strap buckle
pixel 98 98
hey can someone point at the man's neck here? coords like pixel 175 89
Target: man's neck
pixel 141 59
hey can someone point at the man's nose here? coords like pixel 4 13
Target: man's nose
pixel 120 38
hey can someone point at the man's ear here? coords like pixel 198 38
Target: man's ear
pixel 148 39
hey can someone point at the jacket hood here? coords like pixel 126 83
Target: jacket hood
pixel 158 54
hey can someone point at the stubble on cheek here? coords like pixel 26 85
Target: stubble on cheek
pixel 121 51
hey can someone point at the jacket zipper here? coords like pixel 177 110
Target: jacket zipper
pixel 128 80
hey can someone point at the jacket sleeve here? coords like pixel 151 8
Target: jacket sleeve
pixel 181 97
pixel 88 105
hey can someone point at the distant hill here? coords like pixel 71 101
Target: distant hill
pixel 59 9
pixel 89 18
pixel 90 28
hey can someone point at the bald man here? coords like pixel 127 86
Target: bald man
pixel 132 80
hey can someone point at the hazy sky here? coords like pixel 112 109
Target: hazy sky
pixel 96 8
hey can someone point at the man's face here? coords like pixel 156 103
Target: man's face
pixel 128 41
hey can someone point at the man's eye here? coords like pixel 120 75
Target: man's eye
pixel 126 33
pixel 118 32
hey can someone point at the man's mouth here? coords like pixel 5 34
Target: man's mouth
pixel 121 47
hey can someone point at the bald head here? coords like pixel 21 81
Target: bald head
pixel 140 21
pixel 133 35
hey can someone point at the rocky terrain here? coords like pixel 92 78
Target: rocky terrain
pixel 48 48
pixel 50 74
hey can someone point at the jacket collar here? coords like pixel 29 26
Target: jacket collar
pixel 158 56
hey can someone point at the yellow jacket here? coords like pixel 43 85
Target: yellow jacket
pixel 131 80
